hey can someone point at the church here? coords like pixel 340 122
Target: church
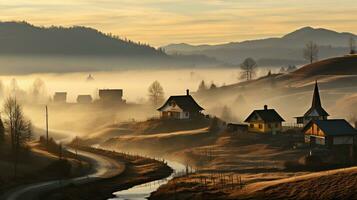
pixel 316 112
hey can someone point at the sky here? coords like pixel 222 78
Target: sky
pixel 161 22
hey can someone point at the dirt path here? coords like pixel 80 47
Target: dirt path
pixel 103 167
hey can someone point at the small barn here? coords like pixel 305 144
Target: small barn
pixel 264 121
pixel 180 107
pixel 110 96
pixel 332 132
pixel 60 97
pixel 84 99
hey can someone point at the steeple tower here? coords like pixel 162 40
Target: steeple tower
pixel 316 112
pixel 316 109
pixel 316 102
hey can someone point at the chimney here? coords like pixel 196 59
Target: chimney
pixel 187 92
pixel 265 107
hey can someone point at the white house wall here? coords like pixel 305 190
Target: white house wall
pixel 176 108
pixel 172 108
pixel 184 115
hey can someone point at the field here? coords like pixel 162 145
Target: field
pixel 226 165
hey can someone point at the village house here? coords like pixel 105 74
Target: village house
pixel 330 133
pixel 110 96
pixel 84 99
pixel 265 121
pixel 316 112
pixel 180 107
pixel 60 97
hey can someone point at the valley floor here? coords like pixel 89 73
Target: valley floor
pixel 226 165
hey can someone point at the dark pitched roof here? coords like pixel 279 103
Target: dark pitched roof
pixel 316 104
pixel 267 115
pixel 333 127
pixel 185 102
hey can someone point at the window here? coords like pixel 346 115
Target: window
pixel 251 125
pixel 269 125
pixel 276 125
pixel 260 126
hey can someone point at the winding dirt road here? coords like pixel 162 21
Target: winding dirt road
pixel 103 167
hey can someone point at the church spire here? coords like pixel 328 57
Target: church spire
pixel 316 107
pixel 316 102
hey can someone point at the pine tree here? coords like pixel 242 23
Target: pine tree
pixel 213 86
pixel 202 86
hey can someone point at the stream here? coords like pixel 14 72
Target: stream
pixel 143 191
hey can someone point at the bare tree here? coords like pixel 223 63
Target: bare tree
pixel 352 44
pixel 38 90
pixel 27 132
pixel 2 131
pixel 14 87
pixel 156 93
pixel 311 52
pixel 16 125
pixel 249 67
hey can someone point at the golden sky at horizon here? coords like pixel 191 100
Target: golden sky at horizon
pixel 160 22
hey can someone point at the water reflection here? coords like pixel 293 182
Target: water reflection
pixel 143 191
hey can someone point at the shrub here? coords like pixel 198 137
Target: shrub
pixel 59 168
pixel 214 126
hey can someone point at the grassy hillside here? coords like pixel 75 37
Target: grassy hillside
pixel 346 65
pixel 334 184
pixel 337 81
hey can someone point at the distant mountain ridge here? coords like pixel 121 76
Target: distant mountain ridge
pixel 288 47
pixel 24 38
pixel 25 48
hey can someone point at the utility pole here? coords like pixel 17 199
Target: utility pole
pixel 46 127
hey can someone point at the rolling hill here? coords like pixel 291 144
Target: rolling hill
pixel 337 79
pixel 24 38
pixel 346 65
pixel 283 50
